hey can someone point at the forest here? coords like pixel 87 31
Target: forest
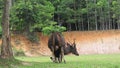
pixel 62 15
pixel 90 28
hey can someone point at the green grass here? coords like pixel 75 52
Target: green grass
pixel 82 61
pixel 9 63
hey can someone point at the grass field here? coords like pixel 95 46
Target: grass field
pixel 82 61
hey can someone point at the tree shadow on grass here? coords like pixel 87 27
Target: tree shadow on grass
pixel 9 63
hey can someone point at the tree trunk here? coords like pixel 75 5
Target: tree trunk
pixel 79 26
pixel 82 23
pixel 88 15
pixel 118 23
pixel 75 15
pixel 69 26
pixel 6 50
pixel 96 24
pixel 102 19
pixel 109 15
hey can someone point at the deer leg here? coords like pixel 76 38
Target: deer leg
pixel 62 55
pixel 53 58
pixel 59 58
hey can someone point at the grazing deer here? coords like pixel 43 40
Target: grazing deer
pixel 56 44
pixel 68 48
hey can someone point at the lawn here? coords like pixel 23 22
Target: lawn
pixel 82 61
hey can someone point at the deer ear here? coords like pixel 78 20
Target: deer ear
pixel 68 43
pixel 74 42
pixel 74 45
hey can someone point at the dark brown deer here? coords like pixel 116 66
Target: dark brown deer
pixel 56 44
pixel 68 48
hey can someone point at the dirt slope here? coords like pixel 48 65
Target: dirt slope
pixel 88 42
pixel 96 42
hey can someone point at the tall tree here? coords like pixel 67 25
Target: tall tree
pixel 95 13
pixel 6 50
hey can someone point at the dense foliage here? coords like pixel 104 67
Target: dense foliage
pixel 59 15
pixel 1 7
pixel 30 15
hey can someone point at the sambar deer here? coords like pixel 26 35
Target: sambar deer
pixel 56 44
pixel 69 48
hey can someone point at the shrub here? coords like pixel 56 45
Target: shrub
pixel 17 52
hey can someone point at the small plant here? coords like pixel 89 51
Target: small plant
pixel 17 52
pixel 33 37
pixel 53 27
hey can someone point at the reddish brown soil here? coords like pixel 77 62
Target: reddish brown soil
pixel 88 42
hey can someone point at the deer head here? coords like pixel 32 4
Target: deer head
pixel 73 48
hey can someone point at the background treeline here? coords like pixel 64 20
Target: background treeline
pixel 87 14
pixel 58 15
